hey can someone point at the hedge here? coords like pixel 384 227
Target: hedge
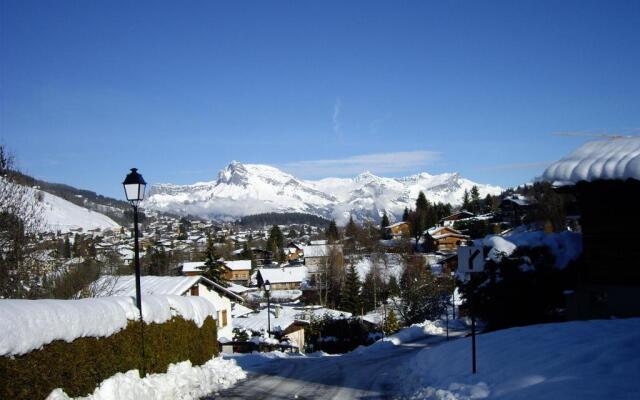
pixel 79 367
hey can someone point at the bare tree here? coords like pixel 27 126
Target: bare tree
pixel 20 222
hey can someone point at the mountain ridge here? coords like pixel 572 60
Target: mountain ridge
pixel 245 189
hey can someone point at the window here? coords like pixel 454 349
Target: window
pixel 224 317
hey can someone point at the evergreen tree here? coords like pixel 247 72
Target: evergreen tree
pixel 292 234
pixel 332 233
pixel 275 243
pixel 422 203
pixel 391 325
pixel 383 226
pixel 350 299
pixel 393 289
pixel 466 202
pixel 420 294
pixel 351 229
pixel 213 267
pixel 475 204
pixel 67 248
pixel 405 215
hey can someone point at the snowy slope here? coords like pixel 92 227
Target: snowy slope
pixel 245 189
pixel 597 359
pixel 60 214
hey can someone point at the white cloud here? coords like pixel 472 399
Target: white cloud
pixel 377 163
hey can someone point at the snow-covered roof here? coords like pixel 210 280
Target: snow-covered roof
pixel 518 199
pixel 283 274
pixel 396 224
pixel 287 315
pixel 604 159
pixel 238 289
pixel 238 310
pixel 238 265
pixel 111 285
pixel 322 250
pixel 195 266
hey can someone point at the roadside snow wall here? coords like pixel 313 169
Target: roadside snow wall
pixel 76 344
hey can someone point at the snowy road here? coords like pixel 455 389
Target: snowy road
pixel 373 373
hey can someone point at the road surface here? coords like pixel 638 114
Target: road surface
pixel 373 373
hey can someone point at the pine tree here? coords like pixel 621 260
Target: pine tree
pixel 351 230
pixel 475 200
pixel 275 243
pixel 350 299
pixel 421 202
pixel 332 233
pixel 213 268
pixel 391 325
pixel 383 226
pixel 405 215
pixel 67 248
pixel 393 289
pixel 466 202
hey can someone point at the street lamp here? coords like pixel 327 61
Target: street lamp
pixel 267 289
pixel 134 186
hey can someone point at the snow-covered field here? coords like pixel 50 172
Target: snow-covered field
pixel 597 359
pixel 62 215
pixel 182 381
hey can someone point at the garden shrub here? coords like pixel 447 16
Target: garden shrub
pixel 78 367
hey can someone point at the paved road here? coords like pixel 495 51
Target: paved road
pixel 370 374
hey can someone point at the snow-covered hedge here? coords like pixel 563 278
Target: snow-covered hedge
pixel 27 325
pixel 83 342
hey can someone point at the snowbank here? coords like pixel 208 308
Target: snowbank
pixel 182 381
pixel 565 246
pixel 29 324
pixel 609 159
pixel 573 360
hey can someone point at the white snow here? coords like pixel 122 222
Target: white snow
pixel 244 189
pixel 597 359
pixel 605 159
pixel 182 381
pixel 60 214
pixel 565 246
pixel 125 285
pixel 238 265
pixel 283 274
pixel 29 324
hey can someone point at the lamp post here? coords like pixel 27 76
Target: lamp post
pixel 267 289
pixel 134 186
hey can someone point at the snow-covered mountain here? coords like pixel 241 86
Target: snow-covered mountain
pixel 245 189
pixel 62 215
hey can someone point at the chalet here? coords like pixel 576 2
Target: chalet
pixel 289 321
pixel 263 257
pixel 318 256
pixel 237 271
pixel 221 297
pixel 294 252
pixel 451 219
pixel 604 178
pixel 282 278
pixel 445 238
pixel 514 209
pixel 192 268
pixel 399 230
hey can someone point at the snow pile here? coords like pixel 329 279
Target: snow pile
pixel 416 331
pixel 499 247
pixel 181 381
pixel 609 159
pixel 565 246
pixel 597 359
pixel 29 324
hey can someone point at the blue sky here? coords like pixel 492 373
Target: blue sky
pixel 89 89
